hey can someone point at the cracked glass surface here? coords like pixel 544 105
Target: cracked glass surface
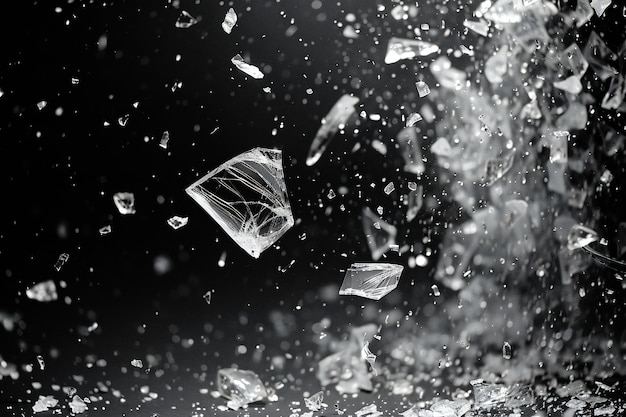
pixel 371 280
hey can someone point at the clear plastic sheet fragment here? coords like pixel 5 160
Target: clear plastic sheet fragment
pixel 371 280
pixel 44 291
pixel 185 20
pixel 336 118
pixel 230 20
pixel 411 150
pixel 246 68
pixel 247 197
pixel 240 387
pixel 125 202
pixel 380 235
pixel 399 49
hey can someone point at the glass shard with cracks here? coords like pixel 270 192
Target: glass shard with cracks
pixel 185 20
pixel 241 387
pixel 422 88
pixel 45 291
pixel 249 69
pixel 400 48
pixel 334 120
pixel 371 280
pixel 125 202
pixel 602 59
pixel 61 261
pixel 580 236
pixel 165 138
pixel 230 20
pixel 380 235
pixel 315 402
pixel 247 197
pixel 176 222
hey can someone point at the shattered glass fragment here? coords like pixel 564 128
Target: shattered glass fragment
pixel 249 69
pixel 571 84
pixel 125 202
pixel 122 121
pixel 185 20
pixel 230 20
pixel 61 261
pixel 572 262
pixel 399 49
pixel 413 119
pixel 614 96
pixel 137 363
pixel 247 197
pixel 606 177
pixel 580 236
pixel 369 411
pixel 368 356
pixel 497 66
pixel 45 291
pixel 435 289
pixel 531 110
pixel 315 402
pixel 415 200
pixel 241 387
pixel 449 408
pixel 575 60
pixel 331 194
pixel 558 146
pixel 105 230
pixel 380 235
pixel 331 124
pixel 519 395
pixel 411 151
pixel 176 222
pixel 600 6
pixel 487 395
pixel 529 32
pixel 207 297
pixel 441 147
pixel 481 28
pixel 42 104
pixel 165 137
pixel 77 405
pixel 506 350
pixel 422 88
pixel 600 57
pixel 446 75
pixel 497 168
pixel 575 117
pixel 42 363
pixel 45 403
pixel 371 280
pixel 389 188
pixel 583 12
pixel 503 11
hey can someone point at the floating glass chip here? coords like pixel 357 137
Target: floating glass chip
pixel 371 280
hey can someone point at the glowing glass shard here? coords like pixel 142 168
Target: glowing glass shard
pixel 580 236
pixel 497 66
pixel 185 20
pixel 44 403
pixel 615 94
pixel 77 405
pixel 400 48
pixel 125 202
pixel 176 222
pixel 441 147
pixel 449 408
pixel 380 235
pixel 583 12
pixel 371 280
pixel 241 387
pixel 481 28
pixel 422 88
pixel 137 363
pixel 600 6
pixel 368 356
pixel 574 59
pixel 411 150
pixel 413 119
pixel 334 120
pixel 247 197
pixel 230 20
pixel 446 75
pixel 42 104
pixel 249 69
pixel 571 84
pixel 487 395
pixel 315 402
pixel 45 291
pixel 61 261
pixel 503 11
pixel 165 138
pixel 105 230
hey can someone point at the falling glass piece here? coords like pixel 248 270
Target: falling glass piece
pixel 185 20
pixel 105 230
pixel 435 290
pixel 369 411
pixel 122 121
pixel 530 32
pixel 315 402
pixel 497 66
pixel 137 363
pixel 164 139
pixel 571 262
pixel 449 408
pixel 600 6
pixel 602 59
pixel 331 194
pixel 481 28
pixel 503 11
pixel 422 88
pixel 44 403
pixel 413 119
pixel 411 151
pixel 125 202
pixel 507 350
pixel 207 297
pixel 558 146
pixel 400 48
pixel 176 222
pixel 44 291
pixel 446 75
pixel 497 168
pixel 606 177
pixel 241 387
pixel 583 12
pixel 249 69
pixel 61 261
pixel 368 356
pixel 331 124
pixel 42 104
pixel 380 235
pixel 77 405
pixel 519 395
pixel 575 117
pixel 487 395
pixel 371 280
pixel 614 96
pixel 415 200
pixel 580 236
pixel 571 84
pixel 247 197
pixel 575 60
pixel 42 363
pixel 349 32
pixel 389 188
pixel 441 147
pixel 230 20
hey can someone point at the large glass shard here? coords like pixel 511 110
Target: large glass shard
pixel 230 20
pixel 600 57
pixel 600 6
pixel 334 120
pixel 481 28
pixel 574 59
pixel 580 236
pixel 45 291
pixel 125 202
pixel 371 280
pixel 446 75
pixel 247 197
pixel 380 235
pixel 241 387
pixel 411 150
pixel 185 20
pixel 583 12
pixel 400 48
pixel 315 402
pixel 249 69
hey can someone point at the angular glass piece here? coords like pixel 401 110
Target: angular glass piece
pixel 176 222
pixel 185 20
pixel 247 197
pixel 558 146
pixel 575 60
pixel 61 261
pixel 497 66
pixel 571 84
pixel 241 387
pixel 600 57
pixel 441 147
pixel 380 235
pixel 137 363
pixel 44 403
pixel 446 75
pixel 315 402
pixel 422 88
pixel 371 280
pixel 389 188
pixel 575 117
pixel 572 262
pixel 230 20
pixel 580 236
pixel 583 12
pixel 334 120
pixel 42 104
pixel 105 230
pixel 487 395
pixel 164 139
pixel 600 6
pixel 481 28
pixel 249 69
pixel 413 119
pixel 122 121
pixel 125 202
pixel 369 411
pixel 42 363
pixel 411 150
pixel 519 395
pixel 368 356
pixel 606 177
pixel 449 408
pixel 614 96
pixel 503 11
pixel 77 405
pixel 529 32
pixel 415 200
pixel 497 168
pixel 400 48
pixel 207 297
pixel 45 291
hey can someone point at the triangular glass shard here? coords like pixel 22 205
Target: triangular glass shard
pixel 249 69
pixel 411 150
pixel 574 59
pixel 400 48
pixel 315 402
pixel 600 6
pixel 371 280
pixel 334 120
pixel 580 236
pixel 240 387
pixel 380 235
pixel 185 20
pixel 247 197
pixel 45 291
pixel 602 59
pixel 615 94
